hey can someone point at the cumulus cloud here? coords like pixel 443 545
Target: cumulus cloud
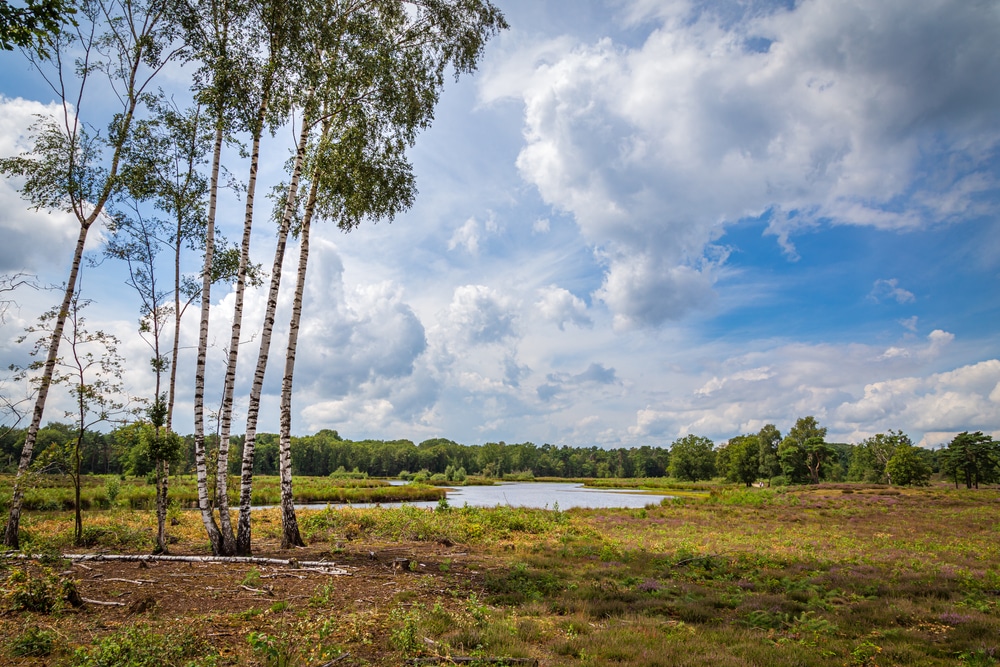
pixel 481 315
pixel 855 390
pixel 939 404
pixel 595 376
pixel 371 333
pixel 815 113
pixel 561 307
pixel 32 239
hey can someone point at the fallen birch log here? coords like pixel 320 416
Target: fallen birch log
pixel 313 565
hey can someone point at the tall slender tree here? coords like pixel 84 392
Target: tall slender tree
pixel 222 37
pixel 73 169
pixel 372 73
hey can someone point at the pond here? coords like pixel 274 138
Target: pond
pixel 537 495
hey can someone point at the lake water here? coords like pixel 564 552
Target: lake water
pixel 536 494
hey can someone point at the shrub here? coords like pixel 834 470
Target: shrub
pixel 33 643
pixel 138 646
pixel 43 592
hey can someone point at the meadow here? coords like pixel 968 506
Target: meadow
pixel 103 492
pixel 823 575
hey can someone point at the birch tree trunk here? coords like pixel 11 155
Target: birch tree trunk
pixel 290 536
pixel 243 547
pixel 11 537
pixel 135 33
pixel 222 473
pixel 214 536
pixel 162 482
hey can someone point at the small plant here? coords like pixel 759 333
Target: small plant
pixel 404 635
pixel 865 654
pixel 279 606
pixel 251 578
pixel 44 592
pixel 33 643
pixel 276 651
pixel 138 646
pixel 323 595
pixel 247 614
pixel 112 487
pixel 476 609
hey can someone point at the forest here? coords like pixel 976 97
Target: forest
pixel 800 457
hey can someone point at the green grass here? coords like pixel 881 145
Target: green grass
pixel 48 493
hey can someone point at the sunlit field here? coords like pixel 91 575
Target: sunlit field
pixel 828 575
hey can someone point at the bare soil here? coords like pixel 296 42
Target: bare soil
pixel 222 603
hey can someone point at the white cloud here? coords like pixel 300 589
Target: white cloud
pixel 466 236
pixel 890 289
pixel 560 306
pixel 938 405
pixel 480 314
pixel 842 116
pixel 32 240
pixel 855 390
pixel 472 233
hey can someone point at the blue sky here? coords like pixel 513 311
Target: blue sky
pixel 642 219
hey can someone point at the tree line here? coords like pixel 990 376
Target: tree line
pixel 802 456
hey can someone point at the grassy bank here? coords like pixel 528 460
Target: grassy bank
pixel 48 493
pixel 859 576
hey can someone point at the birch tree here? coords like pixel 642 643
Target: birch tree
pixel 373 72
pixel 215 36
pixel 74 168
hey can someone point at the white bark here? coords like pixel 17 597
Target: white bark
pixel 222 472
pixel 253 409
pixel 214 536
pixel 290 535
pixel 12 534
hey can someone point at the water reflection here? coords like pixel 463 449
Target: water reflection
pixel 540 495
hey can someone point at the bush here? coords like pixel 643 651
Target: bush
pixel 33 643
pixel 43 592
pixel 137 646
pixel 341 473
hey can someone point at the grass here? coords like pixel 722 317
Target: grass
pixel 48 493
pixel 857 576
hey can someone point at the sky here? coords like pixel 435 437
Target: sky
pixel 638 220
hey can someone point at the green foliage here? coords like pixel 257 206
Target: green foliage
pixel 692 458
pixel 40 591
pixel 139 646
pixel 907 467
pixel 973 458
pixel 252 578
pixel 33 643
pixel 403 635
pixel 35 24
pixel 276 650
pixel 803 451
pixel 742 463
pixel 341 473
